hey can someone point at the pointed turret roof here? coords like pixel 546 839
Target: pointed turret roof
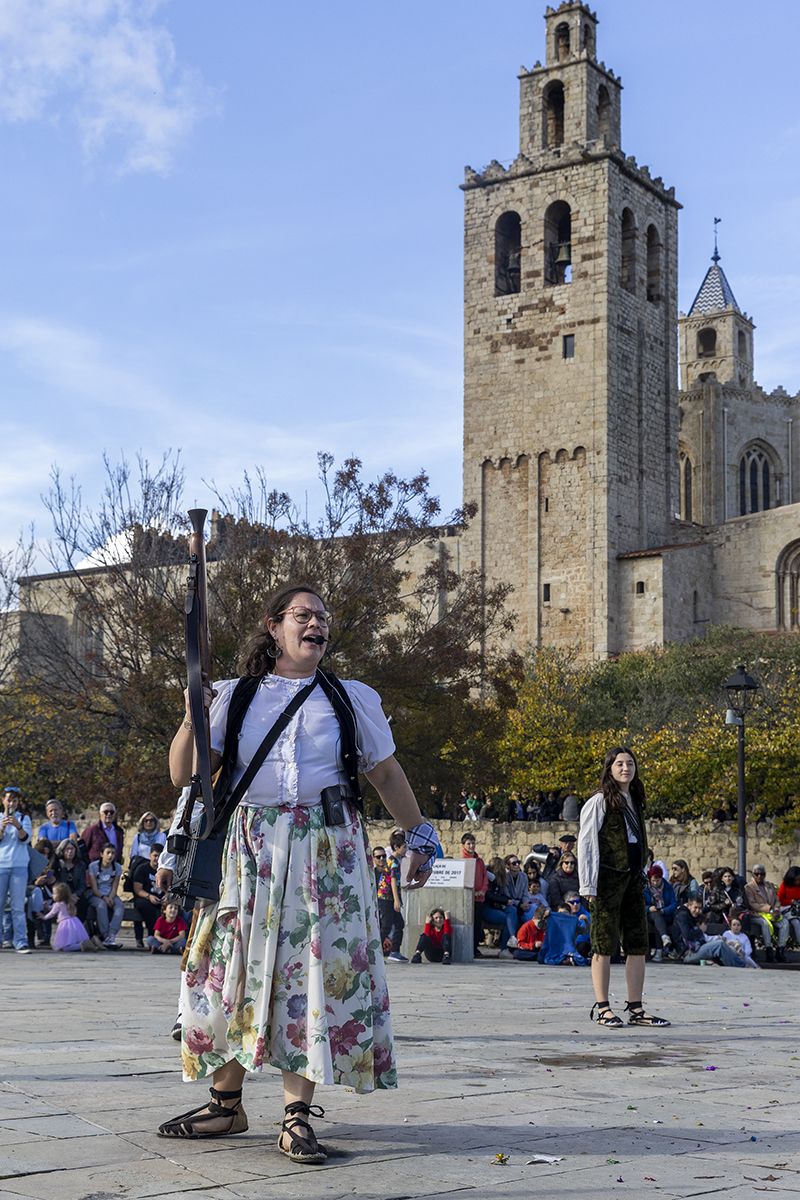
pixel 715 291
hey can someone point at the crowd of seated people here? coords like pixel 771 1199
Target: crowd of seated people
pixel 530 906
pixel 76 884
pixel 533 909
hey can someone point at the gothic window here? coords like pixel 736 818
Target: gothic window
pixel 603 111
pixel 758 482
pixel 562 42
pixel 507 254
pixel 741 341
pixel 554 114
pixel 706 342
pixel 558 243
pixel 653 265
pixel 787 580
pixel 627 274
pixel 587 38
pixel 685 480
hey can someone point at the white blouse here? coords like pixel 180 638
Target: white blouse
pixel 307 756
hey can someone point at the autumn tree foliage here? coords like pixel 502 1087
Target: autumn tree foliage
pixel 93 698
pixel 669 705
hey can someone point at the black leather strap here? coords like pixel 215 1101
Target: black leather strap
pixel 342 705
pixel 230 802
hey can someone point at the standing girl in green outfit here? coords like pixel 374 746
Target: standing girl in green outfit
pixel 612 851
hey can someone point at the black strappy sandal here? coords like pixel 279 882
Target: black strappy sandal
pixel 209 1120
pixel 605 1015
pixel 304 1147
pixel 638 1016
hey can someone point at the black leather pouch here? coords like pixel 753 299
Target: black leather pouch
pixel 333 804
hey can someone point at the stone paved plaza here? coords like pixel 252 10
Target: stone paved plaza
pixel 495 1057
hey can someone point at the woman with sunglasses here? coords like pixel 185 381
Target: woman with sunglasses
pixel 563 880
pixel 612 851
pixel 286 970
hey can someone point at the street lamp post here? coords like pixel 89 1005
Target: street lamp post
pixel 741 689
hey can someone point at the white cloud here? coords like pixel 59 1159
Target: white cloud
pixel 69 360
pixel 110 66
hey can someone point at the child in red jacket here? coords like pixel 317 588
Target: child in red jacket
pixel 435 941
pixel 530 937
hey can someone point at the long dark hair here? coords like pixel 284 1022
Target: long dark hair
pixel 609 786
pixel 259 653
pixel 792 877
pixel 498 868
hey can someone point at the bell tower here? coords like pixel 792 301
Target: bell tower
pixel 570 310
pixel 716 337
pixel 547 122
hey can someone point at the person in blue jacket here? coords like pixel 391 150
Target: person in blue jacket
pixel 660 904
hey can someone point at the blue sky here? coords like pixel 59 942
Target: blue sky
pixel 237 229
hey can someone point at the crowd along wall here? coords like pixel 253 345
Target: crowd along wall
pixel 701 846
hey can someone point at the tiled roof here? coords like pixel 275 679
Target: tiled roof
pixel 715 292
pixel 657 551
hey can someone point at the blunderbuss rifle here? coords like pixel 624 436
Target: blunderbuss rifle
pixel 184 843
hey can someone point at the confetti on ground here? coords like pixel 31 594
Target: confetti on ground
pixel 709 1068
pixel 500 1160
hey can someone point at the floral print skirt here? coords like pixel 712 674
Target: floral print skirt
pixel 287 969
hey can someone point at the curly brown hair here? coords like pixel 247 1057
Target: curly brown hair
pixel 260 651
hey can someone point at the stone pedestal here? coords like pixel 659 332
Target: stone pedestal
pixel 452 891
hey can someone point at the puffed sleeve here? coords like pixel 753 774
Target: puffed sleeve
pixel 375 741
pixel 218 713
pixel 592 815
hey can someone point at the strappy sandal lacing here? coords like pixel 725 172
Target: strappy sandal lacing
pixel 638 1016
pixel 303 1147
pixel 209 1120
pixel 605 1015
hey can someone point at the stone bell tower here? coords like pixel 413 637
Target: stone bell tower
pixel 570 311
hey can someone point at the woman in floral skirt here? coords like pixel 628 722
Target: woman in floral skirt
pixel 287 969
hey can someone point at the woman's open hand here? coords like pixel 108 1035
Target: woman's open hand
pixel 416 876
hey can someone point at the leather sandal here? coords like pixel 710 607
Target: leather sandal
pixel 605 1015
pixel 638 1016
pixel 209 1120
pixel 303 1145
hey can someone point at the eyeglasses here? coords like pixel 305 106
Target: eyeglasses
pixel 378 855
pixel 513 862
pixel 108 812
pixel 759 873
pixel 568 862
pixel 304 615
pixel 573 902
